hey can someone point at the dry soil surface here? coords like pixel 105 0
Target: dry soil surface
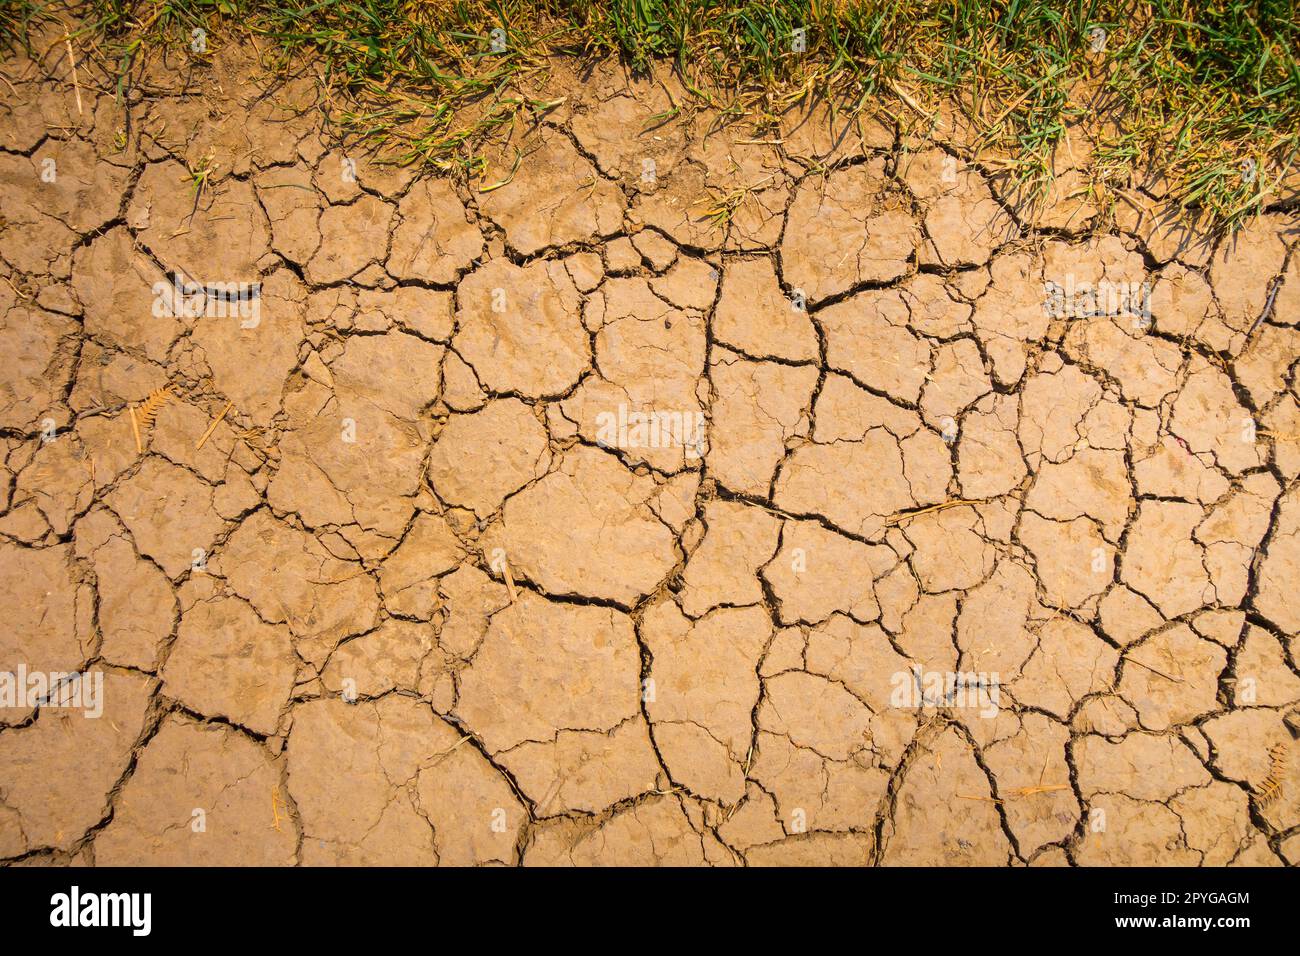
pixel 932 549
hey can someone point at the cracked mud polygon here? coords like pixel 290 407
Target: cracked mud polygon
pixel 688 497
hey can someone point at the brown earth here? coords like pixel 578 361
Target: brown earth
pixel 383 585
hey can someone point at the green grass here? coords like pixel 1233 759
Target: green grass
pixel 1185 93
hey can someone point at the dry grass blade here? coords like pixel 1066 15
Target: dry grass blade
pixel 440 757
pixel 1156 671
pixel 510 581
pixel 519 158
pixel 76 85
pixel 1018 792
pixel 135 429
pixel 902 516
pixel 213 427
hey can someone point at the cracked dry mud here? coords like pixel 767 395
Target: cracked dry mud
pixel 409 603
